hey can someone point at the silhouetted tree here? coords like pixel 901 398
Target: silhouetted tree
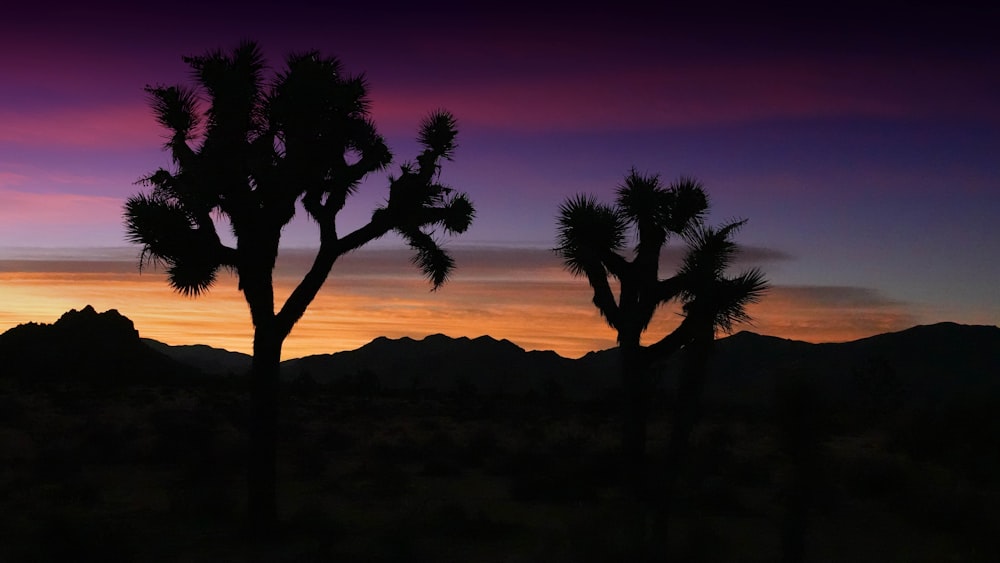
pixel 250 149
pixel 593 240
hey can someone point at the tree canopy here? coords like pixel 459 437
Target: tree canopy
pixel 623 242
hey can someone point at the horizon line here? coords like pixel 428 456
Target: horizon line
pixel 424 337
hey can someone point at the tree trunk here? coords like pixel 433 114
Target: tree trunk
pixel 635 410
pixel 261 467
pixel 687 411
pixel 690 389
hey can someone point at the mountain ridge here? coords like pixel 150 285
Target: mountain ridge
pixel 932 359
pixel 82 346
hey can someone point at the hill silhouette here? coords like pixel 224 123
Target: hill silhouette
pixel 442 363
pixel 83 346
pixel 424 438
pixel 208 359
pixel 931 362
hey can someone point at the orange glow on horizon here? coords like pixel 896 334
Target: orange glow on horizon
pixel 339 319
pixel 547 311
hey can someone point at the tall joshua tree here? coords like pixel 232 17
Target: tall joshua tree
pixel 253 150
pixel 593 238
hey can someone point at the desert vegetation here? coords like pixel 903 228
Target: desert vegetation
pixel 155 471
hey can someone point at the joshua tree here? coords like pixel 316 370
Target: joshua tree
pixel 593 238
pixel 250 149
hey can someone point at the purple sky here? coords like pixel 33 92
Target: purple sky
pixel 863 143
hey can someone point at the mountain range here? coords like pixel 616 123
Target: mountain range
pixel 927 362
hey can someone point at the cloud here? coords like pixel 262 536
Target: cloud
pixel 21 210
pixel 629 69
pixel 29 176
pixel 648 95
pixel 122 126
pixel 831 313
pixel 472 262
pixel 9 179
pixel 515 293
pixel 476 261
pixel 750 254
pixel 834 296
pixel 69 266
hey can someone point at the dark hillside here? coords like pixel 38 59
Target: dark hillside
pixel 489 460
pixel 441 363
pixel 930 364
pixel 938 358
pixel 83 346
pixel 211 360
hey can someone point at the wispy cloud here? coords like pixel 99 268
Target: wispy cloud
pixel 574 96
pixel 21 208
pixel 477 262
pixel 519 294
pixel 831 313
pixel 10 179
pixel 120 126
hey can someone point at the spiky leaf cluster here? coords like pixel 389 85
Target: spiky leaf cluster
pixel 708 290
pixel 588 232
pixel 250 148
pixel 592 237
pixel 418 201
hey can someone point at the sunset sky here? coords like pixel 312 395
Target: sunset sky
pixel 861 142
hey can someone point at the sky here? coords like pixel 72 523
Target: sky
pixel 860 140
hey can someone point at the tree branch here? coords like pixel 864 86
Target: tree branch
pixel 296 304
pixel 671 343
pixel 604 299
pixel 331 248
pixel 616 264
pixel 668 289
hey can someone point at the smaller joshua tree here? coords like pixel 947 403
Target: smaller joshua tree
pixel 593 238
